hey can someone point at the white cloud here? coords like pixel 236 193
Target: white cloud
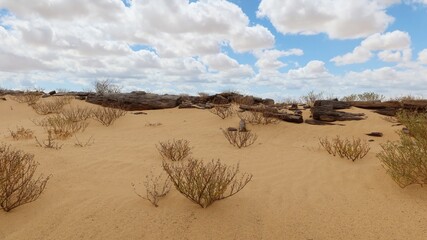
pixel 422 56
pixel 268 60
pixel 313 70
pixel 340 19
pixel 394 47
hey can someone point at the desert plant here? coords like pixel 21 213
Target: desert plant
pixel 28 97
pixel 366 96
pixel 18 184
pixel 49 142
pixel 222 111
pixel 156 187
pixel 54 105
pixel 21 133
pixel 60 126
pixel 106 87
pixel 240 138
pixel 89 142
pixel 175 150
pixel 261 116
pixel 107 116
pixel 76 114
pixel 206 183
pixel 406 160
pixel 352 150
pixel 311 97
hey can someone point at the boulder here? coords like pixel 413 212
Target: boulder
pixel 134 101
pixel 335 104
pixel 329 114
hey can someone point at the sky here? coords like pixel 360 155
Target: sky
pixel 269 48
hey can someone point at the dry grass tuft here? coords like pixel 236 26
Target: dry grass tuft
pixel 60 126
pixel 21 133
pixel 108 116
pixel 175 150
pixel 88 143
pixel 352 150
pixel 262 116
pixel 206 183
pixel 240 138
pixel 29 97
pixel 76 114
pixel 155 188
pixel 222 111
pixel 54 105
pixel 18 185
pixel 406 160
pixel 49 142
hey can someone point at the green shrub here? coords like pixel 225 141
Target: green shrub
pixel 352 150
pixel 406 160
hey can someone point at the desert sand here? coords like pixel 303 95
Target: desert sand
pixel 298 190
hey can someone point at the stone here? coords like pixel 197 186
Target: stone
pixel 375 134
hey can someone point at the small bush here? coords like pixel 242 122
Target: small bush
pixel 240 138
pixel 54 105
pixel 76 114
pixel 155 188
pixel 29 97
pixel 108 116
pixel 21 133
pixel 175 150
pixel 49 143
pixel 311 97
pixel 61 126
pixel 106 87
pixel 261 116
pixel 222 111
pixel 352 150
pixel 206 183
pixel 18 185
pixel 366 96
pixel 406 160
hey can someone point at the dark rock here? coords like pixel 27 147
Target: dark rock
pixel 268 102
pixel 232 129
pixel 334 104
pixel 294 107
pixel 259 108
pixel 405 130
pixel 140 113
pixel 328 114
pixel 52 92
pixel 298 112
pixel 285 117
pixel 371 140
pixel 134 101
pixel 219 99
pixel 375 134
pixel 3 99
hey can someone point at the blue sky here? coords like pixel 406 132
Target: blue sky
pixel 270 48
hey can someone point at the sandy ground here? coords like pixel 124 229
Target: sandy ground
pixel 298 191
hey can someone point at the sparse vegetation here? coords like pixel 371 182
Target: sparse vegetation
pixel 18 184
pixel 175 150
pixel 103 87
pixel 28 97
pixel 21 133
pixel 54 105
pixel 60 126
pixel 49 143
pixel 89 142
pixel 406 160
pixel 156 187
pixel 240 138
pixel 107 116
pixel 222 111
pixel 262 116
pixel 76 114
pixel 205 183
pixel 366 96
pixel 311 97
pixel 351 149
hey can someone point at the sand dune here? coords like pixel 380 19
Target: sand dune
pixel 298 190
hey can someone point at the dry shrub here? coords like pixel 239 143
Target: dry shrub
pixel 76 114
pixel 175 150
pixel 18 184
pixel 155 188
pixel 61 126
pixel 352 150
pixel 406 160
pixel 257 117
pixel 107 116
pixel 29 97
pixel 222 111
pixel 21 133
pixel 54 105
pixel 311 97
pixel 240 138
pixel 89 142
pixel 49 142
pixel 106 87
pixel 206 183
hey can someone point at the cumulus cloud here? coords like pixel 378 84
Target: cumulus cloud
pixel 422 56
pixel 394 47
pixel 341 19
pixel 268 60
